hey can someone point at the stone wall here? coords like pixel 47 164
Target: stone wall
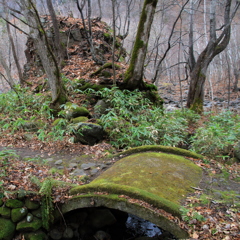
pixel 21 216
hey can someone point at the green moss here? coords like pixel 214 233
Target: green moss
pixel 18 214
pixel 197 106
pixel 29 226
pixel 39 235
pixel 5 212
pixel 7 229
pixel 160 179
pixel 57 121
pixel 159 148
pixel 79 119
pixel 116 190
pixel 14 203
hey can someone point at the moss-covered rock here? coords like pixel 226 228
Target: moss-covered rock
pixel 72 111
pixel 26 226
pixel 37 213
pixel 7 229
pixel 17 214
pixel 88 133
pixel 57 121
pixel 14 203
pixel 79 119
pixel 32 205
pixel 39 235
pixel 5 212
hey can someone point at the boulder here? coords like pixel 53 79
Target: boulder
pixel 100 108
pixel 14 203
pixel 5 212
pixel 26 226
pixel 88 133
pixel 237 151
pixel 32 204
pixel 39 235
pixel 18 214
pixel 7 229
pixel 72 111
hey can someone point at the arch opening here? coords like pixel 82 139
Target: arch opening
pixel 102 223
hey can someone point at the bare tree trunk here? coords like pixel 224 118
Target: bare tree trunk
pixel 9 78
pixel 48 59
pixel 60 51
pixel 134 74
pixel 15 55
pixel 216 45
pixel 114 41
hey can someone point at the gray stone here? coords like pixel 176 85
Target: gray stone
pixel 68 233
pixel 72 165
pixel 87 166
pixel 78 172
pixel 100 108
pixel 55 234
pixel 237 151
pixel 88 133
pixel 58 162
pixel 29 217
pixel 94 171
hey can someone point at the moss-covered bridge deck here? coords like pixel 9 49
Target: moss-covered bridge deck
pixel 150 182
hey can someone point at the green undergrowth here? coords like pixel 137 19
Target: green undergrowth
pixel 131 120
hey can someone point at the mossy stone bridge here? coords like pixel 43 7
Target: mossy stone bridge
pixel 149 182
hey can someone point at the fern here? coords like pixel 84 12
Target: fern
pixel 47 203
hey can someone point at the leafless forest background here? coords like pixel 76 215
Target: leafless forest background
pixel 172 74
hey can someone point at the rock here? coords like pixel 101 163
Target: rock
pixel 101 235
pixel 7 229
pixel 78 172
pixel 39 235
pixel 55 234
pixel 25 226
pixel 79 119
pixel 18 214
pixel 29 217
pixel 88 133
pixel 68 233
pixel 100 108
pixel 237 151
pixel 72 111
pixel 14 203
pixel 58 162
pixel 87 166
pixel 5 212
pixel 72 165
pixel 37 213
pixel 32 205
